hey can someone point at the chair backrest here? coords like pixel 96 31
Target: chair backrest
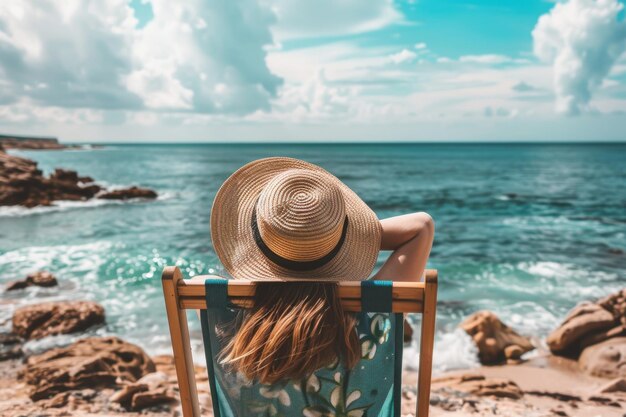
pixel 379 306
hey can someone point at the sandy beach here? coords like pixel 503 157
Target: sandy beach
pixel 542 387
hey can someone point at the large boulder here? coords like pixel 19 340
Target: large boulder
pixel 606 359
pixel 590 323
pixel 128 193
pixel 39 279
pixel 496 342
pixel 95 362
pixel 582 321
pixel 52 318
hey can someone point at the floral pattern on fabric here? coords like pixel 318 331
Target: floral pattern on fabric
pixel 330 392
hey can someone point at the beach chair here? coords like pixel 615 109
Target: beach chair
pixel 332 391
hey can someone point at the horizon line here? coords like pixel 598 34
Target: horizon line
pixel 352 142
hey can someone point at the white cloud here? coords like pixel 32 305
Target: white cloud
pixel 373 89
pixel 582 39
pixel 403 56
pixel 499 112
pixel 314 100
pixel 192 56
pixel 523 87
pixel 420 45
pixel 206 56
pixel 25 112
pixel 315 18
pixel 66 53
pixel 488 59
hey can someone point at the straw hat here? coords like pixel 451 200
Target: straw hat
pixel 286 219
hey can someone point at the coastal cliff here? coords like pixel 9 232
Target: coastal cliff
pixel 32 143
pixel 22 183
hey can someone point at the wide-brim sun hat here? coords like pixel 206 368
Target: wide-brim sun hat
pixel 283 219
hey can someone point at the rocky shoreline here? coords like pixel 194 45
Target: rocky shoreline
pixel 583 375
pixel 33 143
pixel 23 184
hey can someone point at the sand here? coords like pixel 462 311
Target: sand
pixel 549 386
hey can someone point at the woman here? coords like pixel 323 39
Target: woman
pixel 282 219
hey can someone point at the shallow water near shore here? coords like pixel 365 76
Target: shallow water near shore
pixel 526 231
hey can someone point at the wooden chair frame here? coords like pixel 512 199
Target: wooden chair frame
pixel 181 295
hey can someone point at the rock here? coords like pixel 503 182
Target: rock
pixel 481 386
pixel 152 389
pixel 494 339
pixel 16 285
pixel 582 321
pixel 154 380
pixel 606 359
pixel 95 362
pixel 148 399
pixel 601 336
pixel 604 401
pixel 10 346
pixel 64 175
pixel 559 396
pixel 559 412
pixel 616 305
pixel 513 352
pixel 128 193
pixel 78 402
pixel 616 385
pixel 59 400
pixel 23 142
pixel 46 319
pixel 23 184
pixel 125 395
pixel 40 279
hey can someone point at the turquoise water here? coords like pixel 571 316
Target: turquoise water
pixel 526 231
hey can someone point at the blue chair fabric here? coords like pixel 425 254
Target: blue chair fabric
pixel 371 389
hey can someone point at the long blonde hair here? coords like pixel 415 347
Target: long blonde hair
pixel 292 330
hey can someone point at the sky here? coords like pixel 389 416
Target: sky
pixel 313 70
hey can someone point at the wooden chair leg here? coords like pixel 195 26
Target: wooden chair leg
pixel 179 332
pixel 427 340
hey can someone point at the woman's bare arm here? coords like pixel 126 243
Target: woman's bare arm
pixel 410 236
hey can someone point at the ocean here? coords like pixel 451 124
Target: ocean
pixel 524 230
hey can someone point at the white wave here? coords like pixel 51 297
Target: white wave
pixel 535 221
pixel 34 347
pixel 61 205
pixel 546 269
pixel 453 350
pixel 37 346
pixel 81 260
pixel 65 205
